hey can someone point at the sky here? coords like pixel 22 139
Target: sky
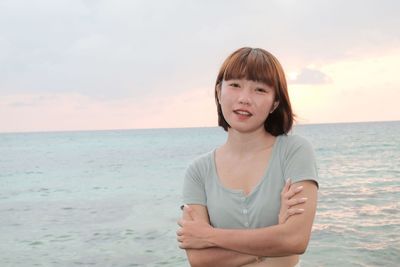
pixel 98 65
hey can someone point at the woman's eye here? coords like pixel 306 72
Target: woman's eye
pixel 261 90
pixel 234 84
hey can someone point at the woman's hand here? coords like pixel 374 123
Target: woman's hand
pixel 288 202
pixel 193 234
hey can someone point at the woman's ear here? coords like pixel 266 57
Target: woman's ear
pixel 218 89
pixel 276 104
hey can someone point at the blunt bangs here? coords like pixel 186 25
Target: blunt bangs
pixel 251 65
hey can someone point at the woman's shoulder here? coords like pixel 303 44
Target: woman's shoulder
pixel 204 156
pixel 294 139
pixel 292 142
pixel 203 161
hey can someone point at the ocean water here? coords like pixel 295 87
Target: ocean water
pixel 111 198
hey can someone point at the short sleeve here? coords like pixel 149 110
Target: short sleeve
pixel 193 185
pixel 300 162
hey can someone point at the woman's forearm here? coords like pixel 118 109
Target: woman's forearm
pixel 218 257
pixel 274 241
pixel 207 257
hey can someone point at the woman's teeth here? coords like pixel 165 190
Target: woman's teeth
pixel 242 113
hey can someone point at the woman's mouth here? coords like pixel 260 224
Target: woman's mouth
pixel 242 114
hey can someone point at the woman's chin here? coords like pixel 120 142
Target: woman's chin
pixel 245 127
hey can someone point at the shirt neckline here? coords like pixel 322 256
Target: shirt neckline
pixel 240 191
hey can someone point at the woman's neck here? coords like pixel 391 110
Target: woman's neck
pixel 243 144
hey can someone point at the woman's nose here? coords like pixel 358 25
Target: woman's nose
pixel 244 98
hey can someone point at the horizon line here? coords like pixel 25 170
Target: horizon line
pixel 190 127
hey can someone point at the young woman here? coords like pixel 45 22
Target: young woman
pixel 240 206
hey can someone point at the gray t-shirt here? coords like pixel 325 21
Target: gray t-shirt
pixel 292 157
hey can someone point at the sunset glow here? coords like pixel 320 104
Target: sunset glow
pixel 121 77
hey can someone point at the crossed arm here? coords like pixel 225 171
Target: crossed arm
pixel 206 245
pixel 212 255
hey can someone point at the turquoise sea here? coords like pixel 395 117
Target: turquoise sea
pixel 111 198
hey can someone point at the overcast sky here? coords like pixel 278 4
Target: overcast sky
pixel 82 65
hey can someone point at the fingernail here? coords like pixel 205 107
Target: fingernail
pixel 300 187
pixel 304 199
pixel 301 209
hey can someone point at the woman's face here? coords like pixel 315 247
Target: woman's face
pixel 246 104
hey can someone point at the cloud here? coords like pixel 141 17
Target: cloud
pixel 363 90
pixel 310 76
pixel 112 50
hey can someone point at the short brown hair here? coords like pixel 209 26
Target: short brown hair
pixel 259 65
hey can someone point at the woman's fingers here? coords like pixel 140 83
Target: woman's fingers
pixel 179 232
pixel 289 191
pixel 284 192
pixel 188 213
pixel 295 201
pixel 181 244
pixel 288 213
pixel 291 212
pixel 288 201
pixel 293 191
pixel 180 238
pixel 181 222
